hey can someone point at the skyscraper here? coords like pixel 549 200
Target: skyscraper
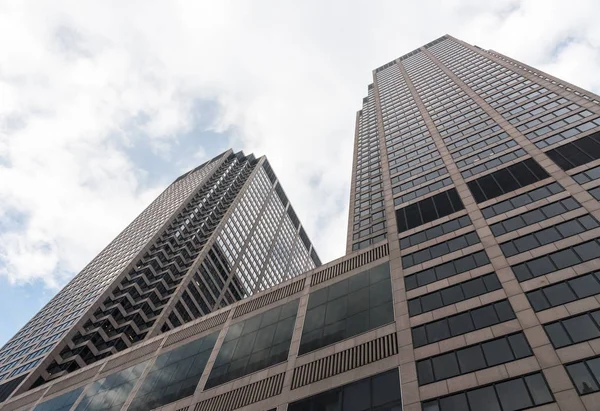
pixel 471 280
pixel 217 234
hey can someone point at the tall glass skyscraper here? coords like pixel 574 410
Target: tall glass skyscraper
pixel 471 280
pixel 216 235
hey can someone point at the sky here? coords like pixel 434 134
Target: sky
pixel 103 104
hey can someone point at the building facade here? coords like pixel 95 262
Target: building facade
pixel 471 280
pixel 218 234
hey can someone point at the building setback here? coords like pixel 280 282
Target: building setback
pixel 218 234
pixel 471 280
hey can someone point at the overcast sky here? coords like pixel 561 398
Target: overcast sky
pixel 104 103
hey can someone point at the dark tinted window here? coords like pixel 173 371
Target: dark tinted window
pixel 565 291
pixel 435 231
pixel 575 329
pixel 557 260
pixel 347 308
pixel 577 152
pixel 381 390
pixel 462 323
pixel 254 344
pixel 520 175
pixel 498 351
pixel 548 235
pixel 514 395
pixel 534 216
pixel 454 294
pixel 522 199
pixel 429 209
pixel 440 249
pixel 445 270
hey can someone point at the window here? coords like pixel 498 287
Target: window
pixel 347 308
pixel 557 260
pixel 534 216
pixel 506 180
pixel 381 390
pixel 472 358
pixel 595 192
pixel 522 199
pixel 514 395
pixel 488 165
pixel 451 295
pixel 174 374
pixel 587 175
pixel 576 153
pixel 255 344
pixel 435 231
pixel 422 191
pixel 462 323
pixel 438 250
pixel 565 291
pixel 563 135
pixel 549 235
pixel 110 393
pixel 429 209
pixel 573 330
pixel 585 375
pixel 445 270
pixel 63 402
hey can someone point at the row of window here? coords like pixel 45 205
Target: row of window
pixel 412 163
pixel 576 153
pixel 347 308
pixel 380 392
pixel 529 96
pixel 548 235
pixel 527 106
pixel 393 160
pixel 585 375
pixel 423 191
pixel 514 395
pixel 445 270
pixel 472 358
pixel 595 192
pixel 559 124
pixel 420 180
pixel 522 199
pixel 469 130
pixel 440 249
pixel 475 137
pixel 563 135
pixel 506 180
pixel 472 120
pixel 480 144
pixel 462 323
pixel 417 170
pixel 435 231
pixel 573 330
pixel 488 165
pixel 557 260
pixel 454 294
pixel 587 175
pixel 534 216
pixel 565 291
pixel 428 209
pixel 550 116
pixel 485 153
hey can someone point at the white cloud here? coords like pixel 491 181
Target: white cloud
pixel 81 80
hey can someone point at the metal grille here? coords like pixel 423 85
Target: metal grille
pixel 349 264
pixel 346 360
pixel 197 328
pixel 269 298
pixel 243 396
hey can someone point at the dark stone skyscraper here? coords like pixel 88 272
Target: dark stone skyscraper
pixel 471 281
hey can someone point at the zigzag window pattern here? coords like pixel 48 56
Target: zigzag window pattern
pixel 126 316
pixel 109 263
